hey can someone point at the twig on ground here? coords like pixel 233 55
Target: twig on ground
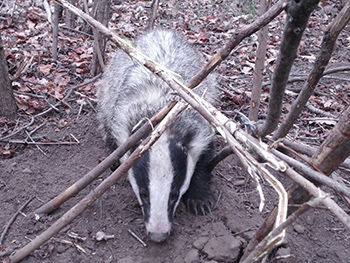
pixel 12 219
pixel 76 31
pixel 36 128
pixel 68 94
pixel 313 109
pixel 137 237
pixel 36 145
pixel 19 130
pixel 42 143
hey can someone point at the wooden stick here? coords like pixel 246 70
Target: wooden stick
pixel 103 166
pixel 12 219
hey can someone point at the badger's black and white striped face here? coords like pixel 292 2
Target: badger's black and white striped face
pixel 160 178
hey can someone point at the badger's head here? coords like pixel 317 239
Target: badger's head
pixel 161 177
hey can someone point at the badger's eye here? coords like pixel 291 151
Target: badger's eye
pixel 181 148
pixel 144 194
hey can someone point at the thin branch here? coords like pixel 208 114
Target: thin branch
pixel 42 143
pixel 259 65
pixel 298 13
pixel 12 219
pixel 68 94
pixel 319 177
pixel 19 130
pixel 36 145
pixel 328 43
pixel 153 14
pixel 219 157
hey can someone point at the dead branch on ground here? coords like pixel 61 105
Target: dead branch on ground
pixel 12 219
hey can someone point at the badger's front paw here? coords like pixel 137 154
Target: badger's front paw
pixel 199 203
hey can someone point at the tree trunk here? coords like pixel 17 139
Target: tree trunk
pixel 329 39
pixel 336 148
pixel 70 17
pixel 101 14
pixel 259 64
pixel 298 14
pixel 8 107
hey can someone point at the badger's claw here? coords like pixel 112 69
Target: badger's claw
pixel 200 206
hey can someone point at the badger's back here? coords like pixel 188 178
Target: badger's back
pixel 128 92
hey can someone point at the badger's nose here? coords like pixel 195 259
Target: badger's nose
pixel 158 237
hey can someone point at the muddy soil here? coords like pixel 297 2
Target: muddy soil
pixel 316 237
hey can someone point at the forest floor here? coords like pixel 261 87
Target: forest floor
pixel 43 171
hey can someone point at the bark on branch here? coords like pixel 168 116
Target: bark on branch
pixel 336 148
pixel 328 42
pixel 297 17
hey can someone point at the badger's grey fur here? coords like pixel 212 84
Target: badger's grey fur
pixel 175 166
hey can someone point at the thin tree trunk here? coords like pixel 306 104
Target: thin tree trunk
pixel 298 15
pixel 321 62
pixel 8 106
pixel 101 13
pixel 70 16
pixel 259 65
pixel 336 148
pixel 57 10
pixel 153 14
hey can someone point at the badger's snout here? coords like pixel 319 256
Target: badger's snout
pixel 158 237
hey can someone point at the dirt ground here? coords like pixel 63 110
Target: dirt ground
pixel 43 173
pixel 316 237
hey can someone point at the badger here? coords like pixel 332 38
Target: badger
pixel 175 167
